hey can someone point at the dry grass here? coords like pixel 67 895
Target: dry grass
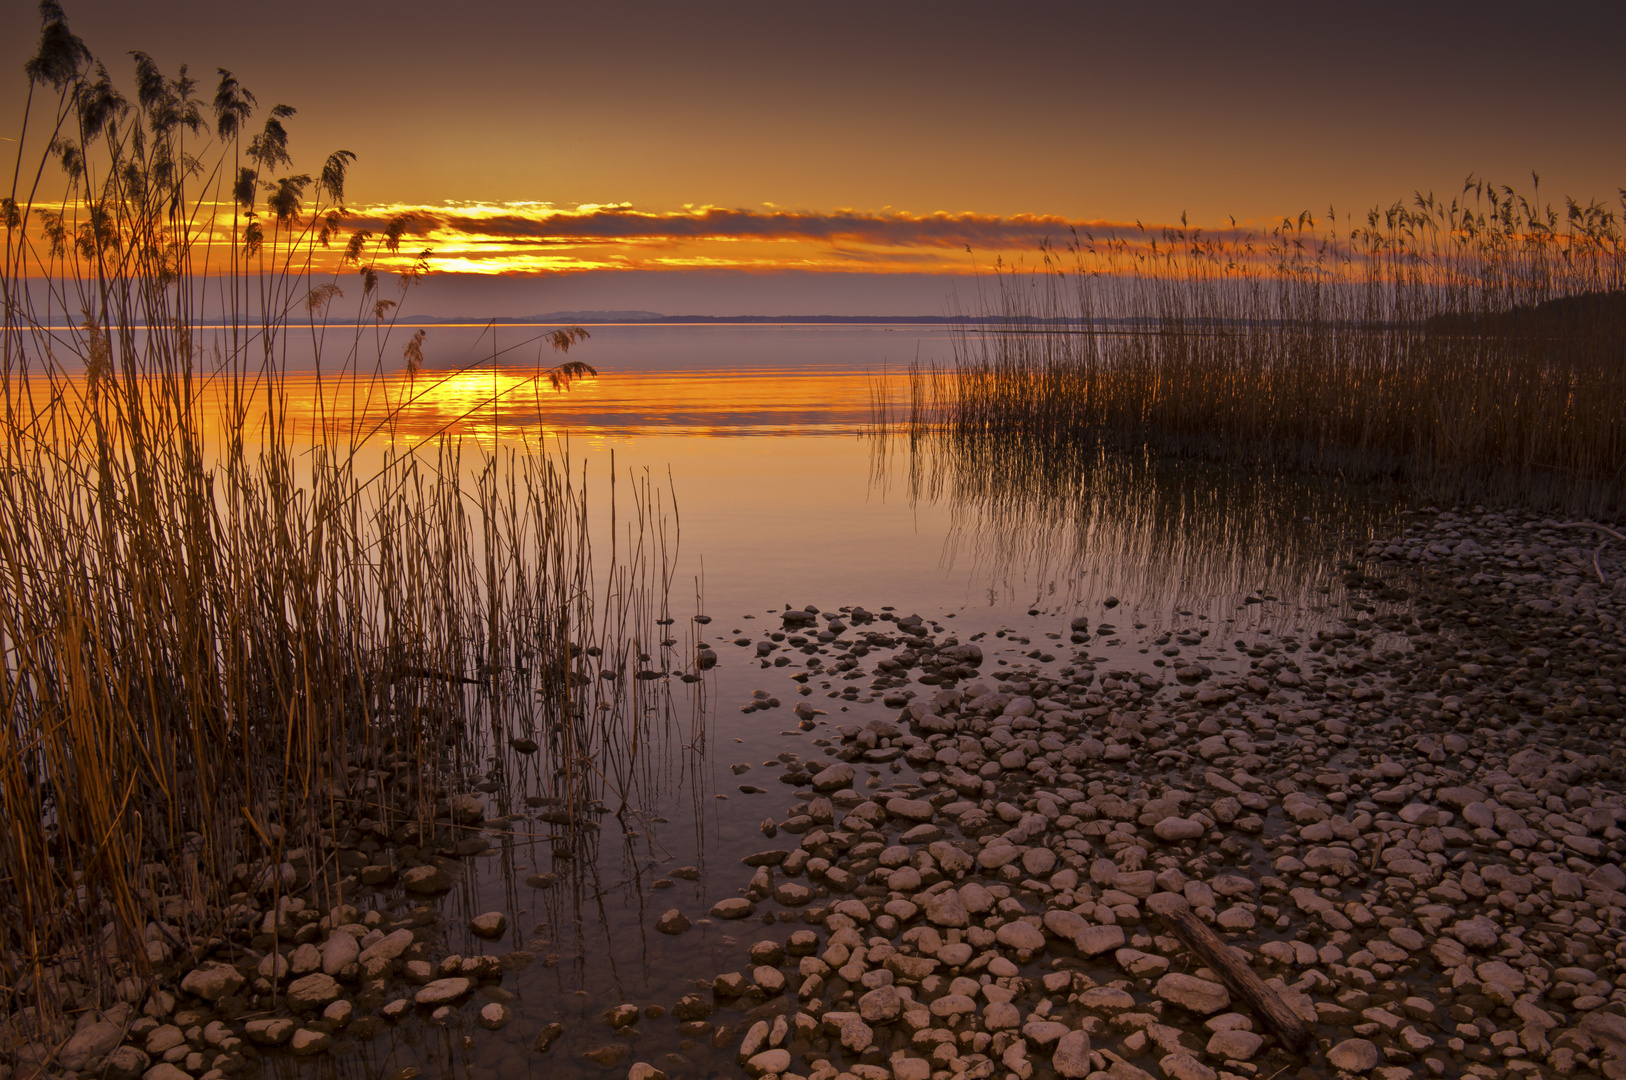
pixel 1472 349
pixel 221 639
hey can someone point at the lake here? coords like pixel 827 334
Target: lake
pixel 785 496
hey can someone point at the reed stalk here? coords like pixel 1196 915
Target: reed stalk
pixel 1473 349
pixel 228 633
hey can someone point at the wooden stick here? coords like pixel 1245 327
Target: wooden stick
pixel 1592 525
pixel 1234 972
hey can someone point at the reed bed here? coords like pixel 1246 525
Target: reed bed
pixel 225 636
pixel 1064 528
pixel 1474 348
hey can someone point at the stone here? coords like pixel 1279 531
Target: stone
pixel 1182 1066
pixel 768 1063
pixel 1044 1032
pixel 273 1032
pixel 306 1042
pixel 1141 964
pixel 730 984
pixel 312 992
pixel 426 880
pixel 1001 1016
pixel 466 808
pixel 338 952
pixel 1106 998
pixel 952 1005
pixel 907 1068
pixel 672 922
pixel 1064 924
pixel 90 1045
pixel 770 980
pixel 1605 1029
pixel 1176 829
pixel 495 1015
pixel 1072 1057
pixel 881 1005
pixel 1038 861
pixel 124 1063
pixel 388 947
pixel 443 991
pixel 642 1070
pixel 1235 1044
pixel 212 980
pixel 1193 994
pixel 164 1038
pixel 855 1035
pixel 735 907
pixel 1354 1055
pixel 304 960
pixel 490 925
pixel 1095 940
pixel 910 809
pixel 1406 938
pixel 1477 932
pixel 608 1055
pixel 945 909
pixel 1020 935
pixel 839 775
pixel 165 1071
pixel 976 898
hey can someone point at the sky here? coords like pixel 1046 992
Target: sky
pixel 771 158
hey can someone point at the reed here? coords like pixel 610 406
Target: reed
pixel 1472 348
pixel 229 635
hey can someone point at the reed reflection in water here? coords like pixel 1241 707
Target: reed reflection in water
pixel 1068 525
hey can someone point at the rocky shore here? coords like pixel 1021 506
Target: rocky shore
pixel 1409 827
pixel 1407 824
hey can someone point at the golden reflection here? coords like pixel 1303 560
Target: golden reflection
pixel 515 404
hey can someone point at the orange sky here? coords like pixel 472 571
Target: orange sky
pixel 879 139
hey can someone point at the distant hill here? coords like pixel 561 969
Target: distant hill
pixel 556 317
pixel 1588 312
pixel 655 318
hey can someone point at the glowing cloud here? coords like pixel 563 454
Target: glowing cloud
pixel 528 238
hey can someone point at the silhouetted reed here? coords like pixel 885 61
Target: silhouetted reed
pixel 1472 349
pixel 223 640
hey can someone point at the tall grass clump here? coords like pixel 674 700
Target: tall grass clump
pixel 1473 348
pixel 227 638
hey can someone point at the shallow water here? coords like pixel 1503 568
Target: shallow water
pixel 784 499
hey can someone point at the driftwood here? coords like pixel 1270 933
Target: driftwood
pixel 1233 971
pixel 1597 555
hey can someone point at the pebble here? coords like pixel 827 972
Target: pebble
pixel 490 925
pixel 1407 813
pixel 443 991
pixel 1354 1055
pixel 1452 836
pixel 426 880
pixel 732 908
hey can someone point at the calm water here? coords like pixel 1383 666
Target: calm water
pixel 783 499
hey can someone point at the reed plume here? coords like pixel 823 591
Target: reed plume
pixel 226 634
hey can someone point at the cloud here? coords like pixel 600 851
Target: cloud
pixel 540 238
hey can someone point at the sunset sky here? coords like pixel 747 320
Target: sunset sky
pixel 773 158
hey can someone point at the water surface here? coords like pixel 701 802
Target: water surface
pixel 784 496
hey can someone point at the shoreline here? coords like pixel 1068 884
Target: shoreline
pixel 1419 848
